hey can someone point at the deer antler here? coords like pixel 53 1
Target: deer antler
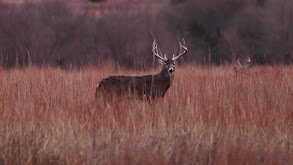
pixel 241 66
pixel 156 52
pixel 182 53
pixel 245 65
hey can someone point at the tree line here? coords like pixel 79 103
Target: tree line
pixel 217 33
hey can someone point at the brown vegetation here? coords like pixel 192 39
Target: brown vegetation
pixel 74 33
pixel 209 116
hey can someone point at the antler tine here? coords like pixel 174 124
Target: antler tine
pixel 238 61
pixel 185 50
pixel 156 52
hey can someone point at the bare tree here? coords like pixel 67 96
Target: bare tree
pixel 148 87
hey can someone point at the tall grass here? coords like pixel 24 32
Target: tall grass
pixel 208 116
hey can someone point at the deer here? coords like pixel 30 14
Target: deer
pixel 244 65
pixel 147 87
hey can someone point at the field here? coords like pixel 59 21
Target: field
pixel 208 116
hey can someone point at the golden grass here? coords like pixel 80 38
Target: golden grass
pixel 208 116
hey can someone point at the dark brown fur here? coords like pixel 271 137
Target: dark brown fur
pixel 142 87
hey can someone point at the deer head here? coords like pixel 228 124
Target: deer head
pixel 169 64
pixel 244 65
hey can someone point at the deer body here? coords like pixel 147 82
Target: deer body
pixel 148 87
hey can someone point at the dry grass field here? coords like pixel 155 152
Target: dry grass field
pixel 208 116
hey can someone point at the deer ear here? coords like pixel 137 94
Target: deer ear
pixel 161 62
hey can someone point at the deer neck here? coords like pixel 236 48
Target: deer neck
pixel 165 75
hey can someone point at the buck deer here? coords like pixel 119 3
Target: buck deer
pixel 243 65
pixel 149 87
